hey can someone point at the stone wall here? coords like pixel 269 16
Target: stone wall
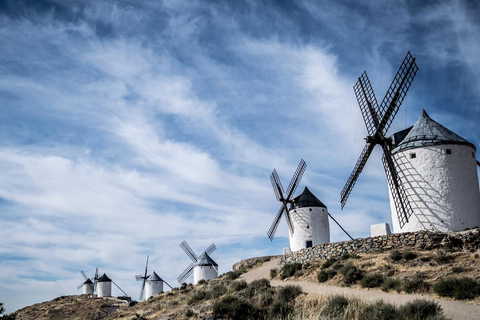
pixel 421 240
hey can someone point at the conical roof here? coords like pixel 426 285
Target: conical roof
pixel 104 278
pixel 307 199
pixel 88 281
pixel 154 277
pixel 427 132
pixel 205 260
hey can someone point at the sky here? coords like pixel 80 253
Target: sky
pixel 129 126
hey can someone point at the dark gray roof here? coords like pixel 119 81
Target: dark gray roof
pixel 104 278
pixel 307 199
pixel 154 277
pixel 426 132
pixel 205 260
pixel 88 281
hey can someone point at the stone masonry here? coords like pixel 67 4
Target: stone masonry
pixel 420 240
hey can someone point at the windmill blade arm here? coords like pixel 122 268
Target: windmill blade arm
pixel 276 221
pixel 84 275
pixel 211 249
pixel 277 185
pixel 367 102
pixel 396 93
pixel 126 295
pixel 289 223
pixel 186 273
pixel 296 179
pixel 138 277
pixel 167 284
pixel 190 253
pixel 340 226
pixel 402 205
pixel 146 267
pixel 142 289
pixel 80 286
pixel 362 160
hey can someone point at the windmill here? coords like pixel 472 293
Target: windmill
pixel 203 267
pixel 307 218
pixel 153 283
pixel 89 286
pixel 378 120
pixel 105 286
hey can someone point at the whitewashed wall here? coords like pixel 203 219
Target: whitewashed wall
pixel 310 223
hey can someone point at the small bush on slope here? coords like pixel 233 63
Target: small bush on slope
pixel 289 270
pixel 351 274
pixel 234 308
pixel 460 289
pixel 372 280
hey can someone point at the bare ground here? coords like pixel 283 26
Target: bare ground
pixel 453 309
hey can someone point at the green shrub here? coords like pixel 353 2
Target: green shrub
pixel 372 280
pixel 395 255
pixel 351 274
pixel 279 310
pixel 325 275
pixel 337 265
pixel 421 309
pixel 335 307
pixel 289 292
pixel 232 275
pixel 218 290
pixel 380 310
pixel 202 281
pixel 199 296
pixel 289 270
pixel 415 284
pixel 457 269
pixel 273 273
pixel 258 286
pixel 238 285
pixel 390 273
pixel 460 289
pixel 409 255
pixel 189 313
pixel 328 263
pixel 391 284
pixel 264 298
pixel 234 308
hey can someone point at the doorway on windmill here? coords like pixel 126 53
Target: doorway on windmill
pixel 309 244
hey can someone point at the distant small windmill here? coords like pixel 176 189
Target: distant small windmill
pixel 153 283
pixel 89 286
pixel 378 120
pixel 307 217
pixel 203 267
pixel 105 286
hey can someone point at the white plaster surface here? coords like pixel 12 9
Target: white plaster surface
pixel 104 289
pixel 442 188
pixel 152 288
pixel 204 272
pixel 310 223
pixel 88 288
pixel 380 229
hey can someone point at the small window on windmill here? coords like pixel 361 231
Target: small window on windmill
pixel 308 227
pixel 448 151
pixel 310 209
pixel 413 155
pixel 309 244
pixel 473 154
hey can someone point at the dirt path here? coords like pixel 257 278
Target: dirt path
pixel 453 309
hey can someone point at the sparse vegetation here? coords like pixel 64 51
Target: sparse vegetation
pixel 443 258
pixel 273 273
pixel 391 284
pixel 373 280
pixel 290 269
pixel 234 307
pixel 457 288
pixel 328 263
pixel 351 274
pixel 325 275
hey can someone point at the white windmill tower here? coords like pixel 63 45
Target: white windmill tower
pixel 203 267
pixel 438 171
pixel 105 286
pixel 89 286
pixel 307 218
pixel 153 283
pixel 431 171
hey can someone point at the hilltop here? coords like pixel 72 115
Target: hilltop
pixel 242 289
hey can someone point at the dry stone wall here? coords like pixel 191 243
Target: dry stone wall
pixel 420 240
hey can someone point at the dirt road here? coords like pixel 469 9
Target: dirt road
pixel 453 309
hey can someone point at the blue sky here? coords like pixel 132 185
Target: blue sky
pixel 129 126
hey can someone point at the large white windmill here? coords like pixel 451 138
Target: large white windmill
pixel 431 171
pixel 153 283
pixel 307 217
pixel 89 286
pixel 203 267
pixel 105 286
